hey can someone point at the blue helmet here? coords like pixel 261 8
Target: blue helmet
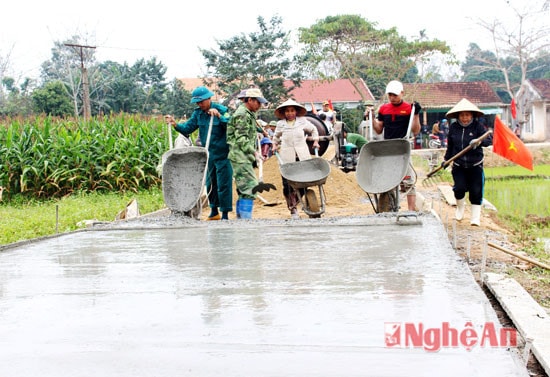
pixel 200 94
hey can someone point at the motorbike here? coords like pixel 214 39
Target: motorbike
pixel 434 142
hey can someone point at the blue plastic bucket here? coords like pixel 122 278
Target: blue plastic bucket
pixel 244 208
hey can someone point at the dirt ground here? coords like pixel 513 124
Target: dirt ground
pixel 344 197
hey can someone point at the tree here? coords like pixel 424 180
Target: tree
pixel 149 78
pixel 348 46
pixel 517 45
pixel 139 88
pixel 177 100
pixel 52 99
pixel 65 66
pixel 259 59
pixel 17 100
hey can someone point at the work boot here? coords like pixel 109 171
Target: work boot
pixel 460 204
pixel 214 214
pixel 476 214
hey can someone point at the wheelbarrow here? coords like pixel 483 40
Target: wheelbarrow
pixel 184 173
pixel 381 167
pixel 304 175
pixel 183 178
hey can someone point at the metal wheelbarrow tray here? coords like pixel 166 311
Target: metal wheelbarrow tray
pixel 382 165
pixel 182 177
pixel 304 174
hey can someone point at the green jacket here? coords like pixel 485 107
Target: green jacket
pixel 218 148
pixel 356 139
pixel 241 136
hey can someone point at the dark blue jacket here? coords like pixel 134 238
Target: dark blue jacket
pixel 459 138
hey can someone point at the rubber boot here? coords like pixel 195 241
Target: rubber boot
pixel 476 214
pixel 238 209
pixel 246 207
pixel 460 204
pixel 225 215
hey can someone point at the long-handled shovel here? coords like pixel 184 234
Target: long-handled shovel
pixel 261 186
pixel 429 177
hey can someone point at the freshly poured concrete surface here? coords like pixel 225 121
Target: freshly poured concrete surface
pixel 307 298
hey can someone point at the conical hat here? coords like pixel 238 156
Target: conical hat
pixel 464 105
pixel 280 110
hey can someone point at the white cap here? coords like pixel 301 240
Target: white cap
pixel 394 87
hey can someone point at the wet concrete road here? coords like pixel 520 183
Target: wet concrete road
pixel 241 299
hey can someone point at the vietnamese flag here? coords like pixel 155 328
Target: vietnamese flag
pixel 513 108
pixel 330 105
pixel 509 146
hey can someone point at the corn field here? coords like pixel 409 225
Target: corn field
pixel 47 157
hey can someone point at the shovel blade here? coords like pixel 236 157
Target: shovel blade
pixel 261 187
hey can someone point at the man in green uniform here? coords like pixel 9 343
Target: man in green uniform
pixel 241 137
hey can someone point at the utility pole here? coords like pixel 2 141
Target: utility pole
pixel 87 107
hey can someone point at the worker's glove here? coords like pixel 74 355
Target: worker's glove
pixel 417 108
pixel 475 143
pixel 443 164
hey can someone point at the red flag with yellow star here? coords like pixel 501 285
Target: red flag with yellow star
pixel 509 146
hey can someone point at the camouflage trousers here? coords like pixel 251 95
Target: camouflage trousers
pixel 245 179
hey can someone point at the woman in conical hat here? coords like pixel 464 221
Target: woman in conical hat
pixel 467 171
pixel 290 134
pixel 464 105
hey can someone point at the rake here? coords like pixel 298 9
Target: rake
pixel 431 179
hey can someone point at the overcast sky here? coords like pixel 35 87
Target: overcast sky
pixel 125 31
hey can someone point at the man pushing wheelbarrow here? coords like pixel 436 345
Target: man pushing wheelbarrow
pixel 290 147
pixel 397 119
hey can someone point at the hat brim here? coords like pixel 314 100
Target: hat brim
pixel 454 115
pixel 280 112
pixel 199 99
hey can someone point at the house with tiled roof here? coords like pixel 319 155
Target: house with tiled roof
pixel 533 110
pixel 438 98
pixel 343 93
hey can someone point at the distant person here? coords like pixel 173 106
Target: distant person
pixel 444 128
pixel 289 141
pixel 435 129
pixel 242 131
pixel 467 171
pixel 271 128
pixel 327 115
pixel 393 121
pixel 425 131
pixel 219 177
pixel 517 131
pixel 353 138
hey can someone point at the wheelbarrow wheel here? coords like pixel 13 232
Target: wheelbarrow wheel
pixel 388 202
pixel 384 202
pixel 311 201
